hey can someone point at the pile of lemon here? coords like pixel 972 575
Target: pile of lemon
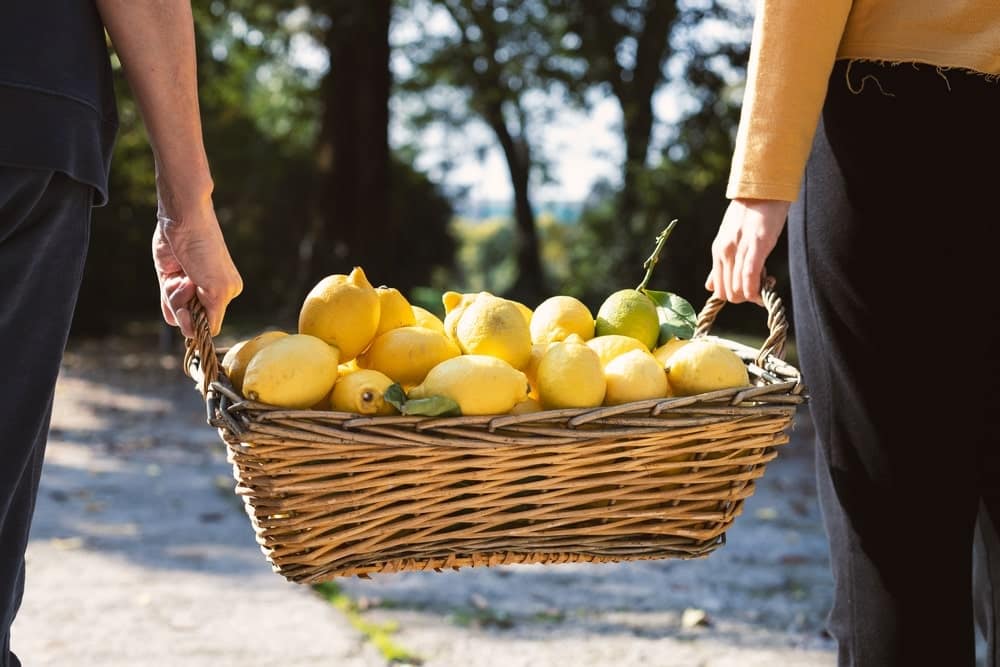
pixel 490 355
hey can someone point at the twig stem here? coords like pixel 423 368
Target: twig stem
pixel 650 263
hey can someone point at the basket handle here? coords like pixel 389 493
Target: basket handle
pixel 777 324
pixel 202 346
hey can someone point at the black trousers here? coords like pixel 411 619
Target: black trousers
pixel 895 257
pixel 44 231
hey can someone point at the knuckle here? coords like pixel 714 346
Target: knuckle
pixel 723 246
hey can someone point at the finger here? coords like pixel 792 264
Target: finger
pixel 710 281
pixel 718 280
pixel 760 292
pixel 215 310
pixel 168 315
pixel 753 264
pixel 179 294
pixel 738 286
pixel 185 322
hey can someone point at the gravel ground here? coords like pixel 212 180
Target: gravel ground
pixel 141 555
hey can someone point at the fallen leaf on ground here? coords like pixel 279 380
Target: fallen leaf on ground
pixel 692 618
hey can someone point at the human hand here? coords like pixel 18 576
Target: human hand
pixel 749 231
pixel 191 259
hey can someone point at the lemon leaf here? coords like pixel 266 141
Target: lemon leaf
pixel 677 316
pixel 395 396
pixel 432 406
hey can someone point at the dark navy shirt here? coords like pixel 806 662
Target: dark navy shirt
pixel 57 104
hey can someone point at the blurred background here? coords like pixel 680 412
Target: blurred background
pixel 527 148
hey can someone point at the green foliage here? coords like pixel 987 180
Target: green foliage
pixel 379 634
pixel 260 116
pixel 509 64
pixel 485 257
pixel 686 181
pixel 500 64
pixel 432 406
pixel 423 246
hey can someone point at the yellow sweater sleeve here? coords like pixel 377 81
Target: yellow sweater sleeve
pixel 792 51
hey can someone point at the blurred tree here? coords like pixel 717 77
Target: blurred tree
pixel 349 222
pixel 500 55
pixel 703 51
pixel 262 111
pixel 625 44
pixel 368 208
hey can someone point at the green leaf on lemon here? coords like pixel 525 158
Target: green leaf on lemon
pixel 677 317
pixel 395 396
pixel 432 406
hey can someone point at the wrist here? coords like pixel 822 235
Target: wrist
pixel 184 199
pixel 751 202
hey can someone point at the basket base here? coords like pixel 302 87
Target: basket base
pixel 311 574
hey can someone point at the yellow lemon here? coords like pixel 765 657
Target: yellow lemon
pixel 406 354
pixel 525 311
pixel 235 361
pixel 531 370
pixel 570 376
pixel 629 312
pixel 558 317
pixel 362 392
pixel 394 310
pixel 634 376
pixel 610 346
pixel 495 327
pixel 343 311
pixel 426 319
pixel 480 384
pixel 665 351
pixel 451 300
pixel 295 371
pixel 454 305
pixel 705 365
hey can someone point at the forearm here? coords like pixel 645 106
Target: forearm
pixel 154 40
pixel 792 52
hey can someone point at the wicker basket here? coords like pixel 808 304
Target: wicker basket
pixel 333 494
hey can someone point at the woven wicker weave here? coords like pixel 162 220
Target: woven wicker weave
pixel 332 494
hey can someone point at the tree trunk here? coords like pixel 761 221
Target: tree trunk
pixel 530 283
pixel 350 224
pixel 636 100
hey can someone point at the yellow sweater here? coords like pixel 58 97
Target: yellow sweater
pixel 792 51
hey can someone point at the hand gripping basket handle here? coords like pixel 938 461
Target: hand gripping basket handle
pixel 777 325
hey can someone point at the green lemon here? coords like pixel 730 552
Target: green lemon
pixel 629 312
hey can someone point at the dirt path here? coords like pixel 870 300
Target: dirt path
pixel 141 555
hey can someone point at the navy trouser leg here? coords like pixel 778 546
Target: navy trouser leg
pixel 893 261
pixel 44 231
